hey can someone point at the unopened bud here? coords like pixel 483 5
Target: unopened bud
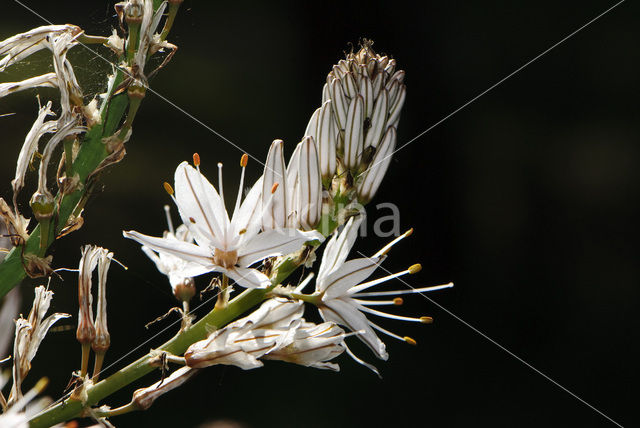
pixel 143 398
pixel 43 205
pixel 185 290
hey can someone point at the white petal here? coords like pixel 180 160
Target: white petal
pixel 343 313
pixel 309 202
pixel 396 108
pixel 326 141
pixel 248 277
pixel 353 133
pixel 313 123
pixel 274 172
pixel 338 247
pixel 183 250
pixel 378 120
pixel 199 203
pixel 349 85
pixel 275 243
pixel 339 103
pixel 348 275
pixel 247 221
pixel 366 91
pixel 373 175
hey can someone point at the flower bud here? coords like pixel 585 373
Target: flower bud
pixel 43 206
pixel 143 398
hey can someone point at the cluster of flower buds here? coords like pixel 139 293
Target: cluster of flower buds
pixel 93 334
pixel 355 129
pixel 275 331
pixel 29 334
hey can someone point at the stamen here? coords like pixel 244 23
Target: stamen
pixel 387 247
pixel 243 164
pixel 409 291
pixel 380 302
pixel 304 283
pixel 385 331
pixel 369 284
pixel 391 316
pixel 426 320
pixel 168 188
pixel 220 182
pixel 196 160
pixel 274 187
pixel 415 268
pixel 410 340
pixel 167 211
pixel 192 220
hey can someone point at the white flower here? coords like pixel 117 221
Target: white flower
pixel 312 346
pixel 340 286
pixel 171 265
pixel 243 342
pixel 223 245
pixel 29 334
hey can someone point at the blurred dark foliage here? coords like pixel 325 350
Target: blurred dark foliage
pixel 527 199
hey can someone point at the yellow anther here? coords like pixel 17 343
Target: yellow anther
pixel 168 188
pixel 192 220
pixel 415 268
pixel 274 187
pixel 41 384
pixel 196 159
pixel 408 232
pixel 243 160
pixel 410 340
pixel 242 231
pixel 398 301
pixel 426 320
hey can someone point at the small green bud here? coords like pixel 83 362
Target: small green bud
pixel 42 205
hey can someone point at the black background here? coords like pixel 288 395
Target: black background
pixel 527 199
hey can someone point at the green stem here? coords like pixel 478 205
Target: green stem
pixel 69 409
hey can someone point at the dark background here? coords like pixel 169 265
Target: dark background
pixel 527 199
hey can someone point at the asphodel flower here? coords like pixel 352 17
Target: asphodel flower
pixel 243 342
pixel 223 244
pixel 313 345
pixel 355 126
pixel 172 266
pixel 29 334
pixel 297 203
pixel 340 289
